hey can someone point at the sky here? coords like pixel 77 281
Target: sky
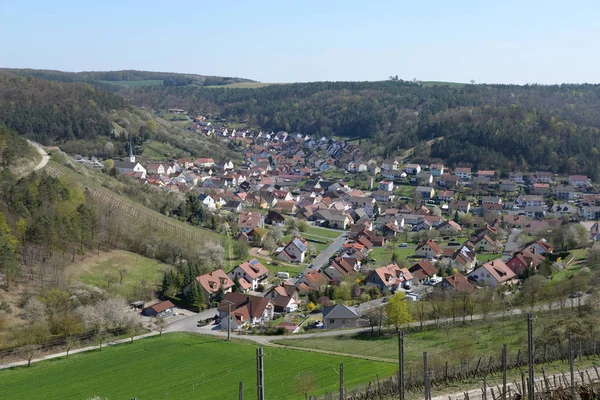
pixel 526 41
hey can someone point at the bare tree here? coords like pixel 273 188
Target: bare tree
pixel 160 324
pixel 122 273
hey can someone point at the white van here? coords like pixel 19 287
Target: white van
pixel 283 275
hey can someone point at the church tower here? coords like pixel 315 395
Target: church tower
pixel 130 157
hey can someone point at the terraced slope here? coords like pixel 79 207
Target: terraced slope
pixel 137 215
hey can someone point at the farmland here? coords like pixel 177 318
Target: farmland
pixel 94 271
pixel 182 366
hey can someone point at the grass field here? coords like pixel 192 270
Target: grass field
pixel 183 366
pixel 382 254
pixel 324 233
pixel 468 341
pixel 405 190
pixel 135 83
pixel 485 257
pixel 93 271
pixel 317 246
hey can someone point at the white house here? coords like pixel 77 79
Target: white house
pixel 294 251
pixel 463 173
pixel 386 185
pixel 412 168
pixel 207 201
pixel 492 273
pixel 428 249
pixel 251 271
pixel 579 180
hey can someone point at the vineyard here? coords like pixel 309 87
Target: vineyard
pixel 135 215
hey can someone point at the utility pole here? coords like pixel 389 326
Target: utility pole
pixel 401 384
pixel 341 381
pixel 260 378
pixel 229 303
pixel 504 366
pixel 571 364
pixel 241 390
pixel 531 391
pixel 426 376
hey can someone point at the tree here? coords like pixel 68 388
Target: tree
pixel 122 273
pixel 397 311
pixel 533 289
pixel 242 249
pixel 593 256
pixel 302 226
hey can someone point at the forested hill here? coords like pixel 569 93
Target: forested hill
pixel 52 112
pixel 485 126
pixel 126 76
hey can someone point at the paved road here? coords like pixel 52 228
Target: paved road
pixel 511 244
pixel 323 258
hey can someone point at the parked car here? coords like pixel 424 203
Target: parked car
pixel 575 295
pixel 403 245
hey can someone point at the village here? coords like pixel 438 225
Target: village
pixel 359 230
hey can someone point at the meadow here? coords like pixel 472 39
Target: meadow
pixel 185 366
pixel 95 269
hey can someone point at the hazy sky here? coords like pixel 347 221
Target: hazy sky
pixel 526 41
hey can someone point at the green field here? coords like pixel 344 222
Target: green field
pixel 134 83
pixel 485 257
pixel 324 233
pixel 94 270
pixel 468 341
pixel 184 366
pixel 383 255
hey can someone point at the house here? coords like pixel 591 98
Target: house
pixel 524 259
pixel 234 206
pixel 383 196
pixel 333 219
pixel 590 212
pixel 508 186
pixel 204 162
pixel 541 177
pixel 540 246
pixel 246 310
pixel 212 283
pixel 516 177
pixel 463 206
pixel 492 273
pixel 423 270
pixel 390 228
pixel 162 309
pixel 390 165
pixel 124 167
pixel 285 297
pixel 449 228
pixel 436 169
pixel 564 210
pixel 426 192
pixel 250 220
pixel 486 174
pixel 445 195
pixel 339 317
pixel 423 178
pixel 530 201
pixel 207 201
pixel 274 218
pixel 491 200
pixel 565 192
pixel 487 245
pixel 341 267
pixel 579 181
pixel 536 212
pixel 313 280
pixel 412 169
pixel 252 271
pixel 390 277
pixel 463 173
pixel 428 249
pixel 539 188
pixel 458 283
pixel 294 251
pixel 386 186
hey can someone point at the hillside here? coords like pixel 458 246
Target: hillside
pixel 83 119
pixel 127 77
pixel 486 126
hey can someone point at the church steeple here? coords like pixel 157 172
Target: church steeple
pixel 130 157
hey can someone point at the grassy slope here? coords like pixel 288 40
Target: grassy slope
pixel 182 366
pixel 326 233
pixel 472 340
pixel 92 270
pixel 134 213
